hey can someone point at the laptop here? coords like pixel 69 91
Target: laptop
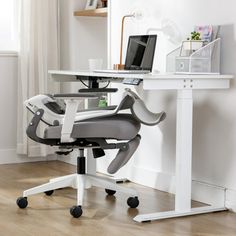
pixel 139 56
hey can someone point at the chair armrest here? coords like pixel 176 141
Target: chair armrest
pixel 75 96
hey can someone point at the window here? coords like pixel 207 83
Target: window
pixel 8 25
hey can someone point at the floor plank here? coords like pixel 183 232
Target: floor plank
pixel 103 215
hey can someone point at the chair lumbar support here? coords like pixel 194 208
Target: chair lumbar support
pixel 68 129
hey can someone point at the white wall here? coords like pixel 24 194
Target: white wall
pixel 8 105
pixel 214 125
pixel 8 93
pixel 82 38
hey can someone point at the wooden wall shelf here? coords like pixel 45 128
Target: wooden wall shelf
pixel 100 12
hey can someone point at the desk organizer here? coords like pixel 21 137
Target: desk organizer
pixel 205 60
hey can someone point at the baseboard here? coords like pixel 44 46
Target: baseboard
pixel 202 192
pixel 230 202
pixel 68 160
pixel 9 156
pixel 152 179
pixel 36 150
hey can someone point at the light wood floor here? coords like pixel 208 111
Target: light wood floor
pixel 108 216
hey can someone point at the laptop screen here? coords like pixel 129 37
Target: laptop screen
pixel 140 52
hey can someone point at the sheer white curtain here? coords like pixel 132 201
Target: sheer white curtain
pixel 39 52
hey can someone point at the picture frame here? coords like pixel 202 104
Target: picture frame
pixel 91 4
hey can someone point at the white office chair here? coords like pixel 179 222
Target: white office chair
pixel 68 129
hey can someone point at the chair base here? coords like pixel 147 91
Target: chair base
pixel 80 181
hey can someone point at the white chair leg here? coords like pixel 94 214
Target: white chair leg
pixel 111 180
pixel 62 177
pixel 80 182
pixel 61 183
pixel 100 182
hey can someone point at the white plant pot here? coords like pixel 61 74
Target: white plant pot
pixel 192 45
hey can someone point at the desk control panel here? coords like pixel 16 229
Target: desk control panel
pixel 131 81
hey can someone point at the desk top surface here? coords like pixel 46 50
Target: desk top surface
pixel 151 76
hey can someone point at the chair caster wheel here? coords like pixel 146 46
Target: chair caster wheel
pixel 110 192
pixel 49 193
pixel 76 211
pixel 22 202
pixel 133 202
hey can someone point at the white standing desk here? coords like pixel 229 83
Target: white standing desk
pixel 184 85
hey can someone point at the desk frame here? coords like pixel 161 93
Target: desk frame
pixel 183 167
pixel 184 84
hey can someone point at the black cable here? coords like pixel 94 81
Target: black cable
pixel 83 82
pixel 107 85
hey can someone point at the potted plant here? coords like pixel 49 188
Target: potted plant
pixel 194 42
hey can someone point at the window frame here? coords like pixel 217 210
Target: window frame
pixel 10 46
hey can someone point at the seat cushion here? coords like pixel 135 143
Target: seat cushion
pixel 120 127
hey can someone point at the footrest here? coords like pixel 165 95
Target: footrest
pixel 123 156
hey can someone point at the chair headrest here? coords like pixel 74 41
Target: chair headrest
pixel 52 109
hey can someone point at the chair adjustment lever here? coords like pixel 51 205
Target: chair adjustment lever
pixel 122 146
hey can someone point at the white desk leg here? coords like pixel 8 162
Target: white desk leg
pixel 184 150
pixel 183 165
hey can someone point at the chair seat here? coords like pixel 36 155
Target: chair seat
pixel 119 126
